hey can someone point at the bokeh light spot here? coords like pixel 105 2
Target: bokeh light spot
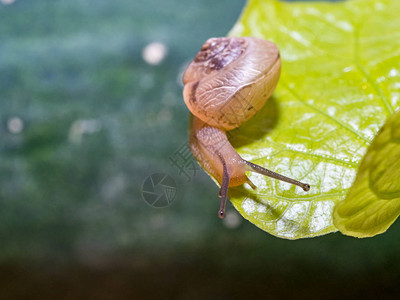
pixel 232 220
pixel 154 53
pixel 15 125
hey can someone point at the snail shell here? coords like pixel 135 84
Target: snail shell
pixel 229 80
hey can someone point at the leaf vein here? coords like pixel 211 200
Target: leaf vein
pixel 298 97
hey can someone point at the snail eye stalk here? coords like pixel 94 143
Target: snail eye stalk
pixel 260 170
pixel 223 192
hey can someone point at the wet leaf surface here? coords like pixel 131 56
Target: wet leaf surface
pixel 339 84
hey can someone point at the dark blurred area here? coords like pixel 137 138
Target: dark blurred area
pixel 90 107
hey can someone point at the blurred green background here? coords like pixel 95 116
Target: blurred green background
pixel 86 115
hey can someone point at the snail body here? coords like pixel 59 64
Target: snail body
pixel 227 83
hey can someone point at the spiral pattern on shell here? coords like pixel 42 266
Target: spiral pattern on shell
pixel 216 53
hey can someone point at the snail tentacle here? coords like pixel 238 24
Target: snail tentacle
pixel 223 192
pixel 263 171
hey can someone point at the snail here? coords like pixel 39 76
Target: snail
pixel 228 81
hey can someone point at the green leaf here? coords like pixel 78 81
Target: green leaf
pixel 340 82
pixel 373 203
